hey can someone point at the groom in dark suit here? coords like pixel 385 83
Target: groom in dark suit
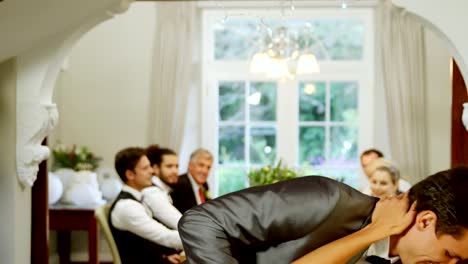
pixel 281 222
pixel 191 188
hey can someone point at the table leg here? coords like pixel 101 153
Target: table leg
pixel 93 242
pixel 63 246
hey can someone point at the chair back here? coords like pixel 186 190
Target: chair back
pixel 102 216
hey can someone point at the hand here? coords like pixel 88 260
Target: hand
pixel 391 215
pixel 174 258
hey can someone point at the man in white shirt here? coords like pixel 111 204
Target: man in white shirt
pixel 165 164
pixel 191 188
pixel 139 237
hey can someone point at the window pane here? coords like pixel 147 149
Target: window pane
pixel 265 109
pixel 327 39
pixel 349 176
pixel 344 101
pixel 235 39
pixel 231 101
pixel 336 39
pixel 231 179
pixel 343 141
pixel 312 145
pixel 263 145
pixel 312 101
pixel 231 145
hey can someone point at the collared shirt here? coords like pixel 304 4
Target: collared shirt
pixel 157 198
pixel 195 188
pixel 381 249
pixel 132 216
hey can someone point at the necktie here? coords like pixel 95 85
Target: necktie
pixel 202 196
pixel 377 260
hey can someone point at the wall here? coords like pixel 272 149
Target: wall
pixel 102 95
pixel 438 102
pixel 445 18
pixel 15 203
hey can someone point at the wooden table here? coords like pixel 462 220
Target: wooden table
pixel 65 218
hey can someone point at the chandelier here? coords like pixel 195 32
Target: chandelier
pixel 280 55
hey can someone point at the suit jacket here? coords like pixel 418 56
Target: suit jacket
pixel 276 223
pixel 182 195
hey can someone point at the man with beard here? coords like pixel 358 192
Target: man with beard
pixel 165 164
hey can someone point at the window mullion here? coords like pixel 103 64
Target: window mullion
pixel 287 122
pixel 327 121
pixel 247 126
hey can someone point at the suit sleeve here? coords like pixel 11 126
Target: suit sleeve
pixel 226 229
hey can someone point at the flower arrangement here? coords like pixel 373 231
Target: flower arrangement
pixel 269 174
pixel 75 158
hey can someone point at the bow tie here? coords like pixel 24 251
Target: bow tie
pixel 377 260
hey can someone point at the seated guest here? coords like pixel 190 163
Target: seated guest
pixel 317 220
pixel 192 189
pixel 384 182
pixel 370 167
pixel 165 164
pixel 370 155
pixel 139 237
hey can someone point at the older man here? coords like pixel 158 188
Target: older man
pixel 192 189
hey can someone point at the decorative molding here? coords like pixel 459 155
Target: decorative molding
pixel 36 121
pixel 38 70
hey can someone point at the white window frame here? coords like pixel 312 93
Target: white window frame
pixel 287 110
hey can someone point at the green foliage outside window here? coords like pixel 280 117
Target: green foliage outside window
pixel 271 174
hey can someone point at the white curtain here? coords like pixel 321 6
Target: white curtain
pixel 403 75
pixel 172 78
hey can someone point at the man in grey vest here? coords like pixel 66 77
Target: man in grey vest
pixel 139 237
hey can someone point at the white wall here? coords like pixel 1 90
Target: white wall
pixel 438 102
pixel 102 96
pixel 15 201
pixel 445 17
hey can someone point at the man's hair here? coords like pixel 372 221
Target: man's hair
pixel 370 151
pixel 446 194
pixel 201 153
pixel 127 159
pixel 155 154
pixel 391 170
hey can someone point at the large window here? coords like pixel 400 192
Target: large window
pixel 315 123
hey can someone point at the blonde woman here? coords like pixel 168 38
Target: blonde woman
pixel 384 182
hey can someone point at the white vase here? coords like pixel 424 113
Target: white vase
pixel 110 188
pixel 65 175
pixel 109 183
pixel 83 189
pixel 55 188
pixel 465 116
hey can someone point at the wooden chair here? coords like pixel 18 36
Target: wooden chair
pixel 102 216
